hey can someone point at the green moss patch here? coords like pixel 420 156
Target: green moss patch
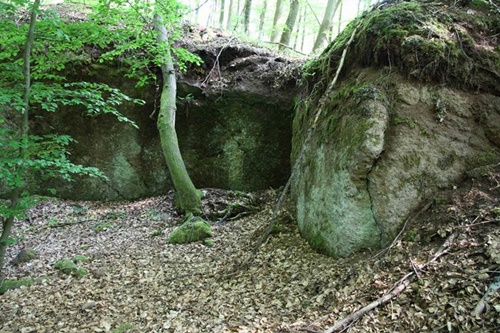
pixel 194 229
pixel 12 284
pixel 66 266
pixel 427 41
pixel 71 266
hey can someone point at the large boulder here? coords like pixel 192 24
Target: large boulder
pixel 417 105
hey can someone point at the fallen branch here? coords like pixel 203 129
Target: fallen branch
pixel 287 47
pixel 481 305
pixel 63 224
pixel 397 289
pixel 478 223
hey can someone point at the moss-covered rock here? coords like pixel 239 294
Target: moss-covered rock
pixel 66 266
pixel 25 255
pixel 71 266
pixel 193 229
pixel 384 144
pixel 80 258
pixel 237 137
pixel 81 272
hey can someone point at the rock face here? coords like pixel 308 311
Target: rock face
pixel 391 135
pixel 234 128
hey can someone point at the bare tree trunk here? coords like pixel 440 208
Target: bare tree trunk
pixel 188 198
pixel 326 24
pixel 277 15
pixel 246 16
pixel 211 13
pixel 238 15
pixel 8 222
pixel 299 25
pixel 197 12
pixel 222 12
pixel 230 15
pixel 303 37
pixel 262 19
pixel 290 23
pixel 340 18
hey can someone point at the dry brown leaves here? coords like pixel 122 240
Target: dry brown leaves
pixel 138 283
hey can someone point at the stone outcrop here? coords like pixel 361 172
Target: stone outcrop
pixel 234 124
pixel 414 110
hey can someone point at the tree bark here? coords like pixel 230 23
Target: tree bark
pixel 303 31
pixel 246 16
pixel 222 12
pixel 187 197
pixel 230 14
pixel 262 19
pixel 277 15
pixel 326 24
pixel 290 23
pixel 8 222
pixel 299 24
pixel 340 18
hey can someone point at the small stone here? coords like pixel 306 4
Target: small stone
pixel 99 273
pixel 89 305
pixel 483 276
pixel 25 255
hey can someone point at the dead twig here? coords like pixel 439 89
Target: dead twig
pixel 478 223
pixel 216 62
pixel 425 207
pixel 287 47
pixel 397 289
pixel 481 305
pixel 64 224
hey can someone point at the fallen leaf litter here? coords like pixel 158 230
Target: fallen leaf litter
pixel 139 283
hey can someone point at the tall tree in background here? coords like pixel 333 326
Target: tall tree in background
pixel 277 14
pixel 303 30
pixel 290 23
pixel 222 12
pixel 246 16
pixel 326 24
pixel 262 19
pixel 341 8
pixel 299 25
pixel 230 14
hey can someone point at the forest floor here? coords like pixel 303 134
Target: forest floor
pixel 137 282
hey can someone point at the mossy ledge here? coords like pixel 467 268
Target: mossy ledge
pixel 426 40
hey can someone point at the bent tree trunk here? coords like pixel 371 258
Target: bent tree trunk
pixel 187 197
